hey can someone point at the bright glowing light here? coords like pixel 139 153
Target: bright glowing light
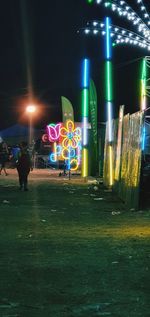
pixel 57 152
pixel 109 97
pixel 69 148
pixel 85 73
pixel 31 109
pixel 71 135
pixel 45 138
pixel 54 131
pixel 109 80
pixel 85 112
pixel 84 162
pixel 85 102
pixel 110 165
pixel 108 39
pixel 85 131
pixel 141 23
pixel 71 141
pixel 143 85
pixel 110 137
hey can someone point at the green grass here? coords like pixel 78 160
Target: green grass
pixel 65 255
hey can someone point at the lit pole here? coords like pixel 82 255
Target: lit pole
pixel 85 115
pixel 31 109
pixel 109 98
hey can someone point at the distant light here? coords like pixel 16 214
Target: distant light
pixel 31 109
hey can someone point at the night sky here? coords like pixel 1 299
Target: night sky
pixel 42 35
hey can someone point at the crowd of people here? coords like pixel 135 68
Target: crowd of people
pixel 21 158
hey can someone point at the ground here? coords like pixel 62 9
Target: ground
pixel 70 249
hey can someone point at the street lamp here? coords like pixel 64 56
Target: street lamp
pixel 31 109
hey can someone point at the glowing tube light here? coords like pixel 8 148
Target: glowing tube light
pixel 85 113
pixel 85 162
pixel 143 85
pixel 85 131
pixel 109 80
pixel 108 39
pixel 109 115
pixel 85 73
pixel 85 102
pixel 109 97
pixel 111 165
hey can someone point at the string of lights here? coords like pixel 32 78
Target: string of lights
pixel 123 9
pixel 119 34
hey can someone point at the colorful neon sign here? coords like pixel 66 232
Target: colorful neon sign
pixel 54 131
pixel 68 146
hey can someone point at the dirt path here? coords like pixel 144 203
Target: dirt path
pixel 70 249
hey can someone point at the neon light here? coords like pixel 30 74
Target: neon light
pixel 109 107
pixel 68 153
pixel 143 85
pixel 71 141
pixel 85 131
pixel 57 152
pixel 108 39
pixel 85 73
pixel 71 135
pixel 109 80
pixel 85 102
pixel 84 162
pixel 111 165
pixel 53 132
pixel 90 1
pixel 74 164
pixel 85 113
pixel 108 75
pixel 45 138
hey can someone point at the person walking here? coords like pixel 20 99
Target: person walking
pixel 4 153
pixel 24 165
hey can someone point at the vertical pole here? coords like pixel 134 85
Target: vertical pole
pixel 85 114
pixel 143 85
pixel 30 129
pixel 109 97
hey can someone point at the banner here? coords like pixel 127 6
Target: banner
pixel 67 110
pixel 93 119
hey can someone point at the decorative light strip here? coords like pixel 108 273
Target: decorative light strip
pixel 53 131
pixel 118 34
pixel 109 104
pixel 143 85
pixel 85 73
pixel 124 10
pixel 85 112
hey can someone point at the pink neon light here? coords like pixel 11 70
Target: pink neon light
pixel 53 132
pixel 45 138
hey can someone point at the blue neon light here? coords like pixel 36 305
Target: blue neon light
pixel 108 39
pixel 85 73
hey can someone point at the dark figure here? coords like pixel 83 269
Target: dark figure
pixel 65 167
pixel 3 157
pixel 24 166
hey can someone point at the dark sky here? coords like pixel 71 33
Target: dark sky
pixel 43 35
